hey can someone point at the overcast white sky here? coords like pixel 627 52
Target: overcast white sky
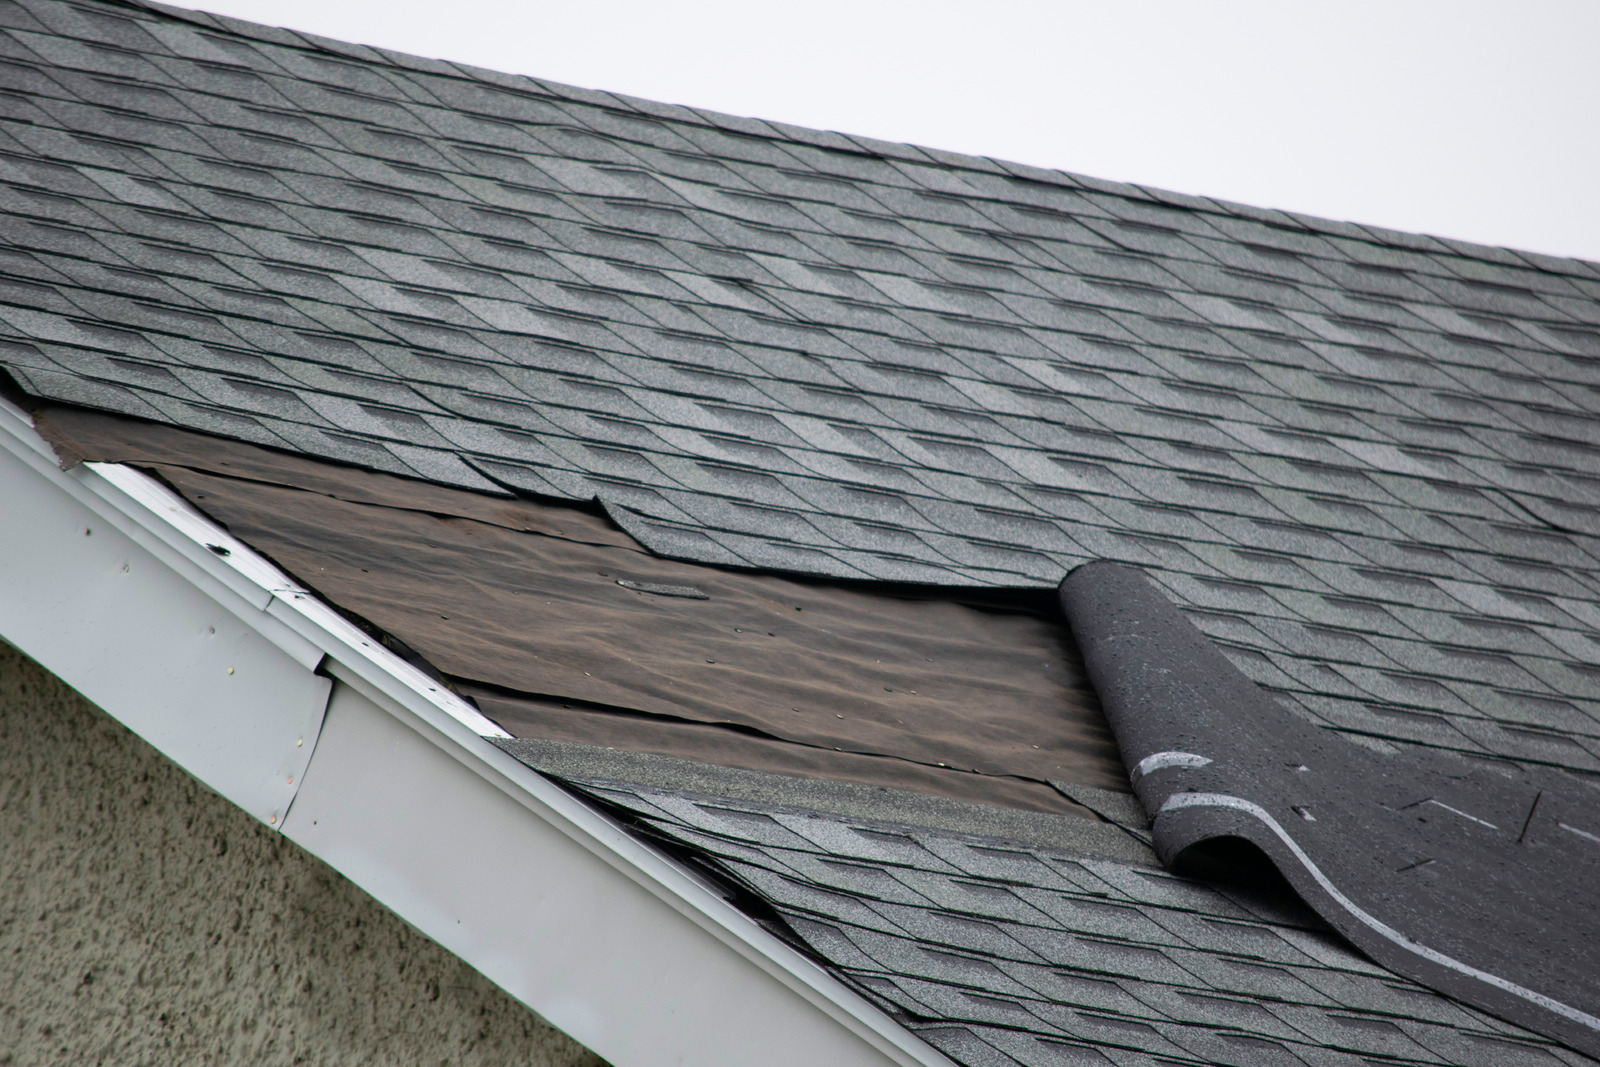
pixel 1467 119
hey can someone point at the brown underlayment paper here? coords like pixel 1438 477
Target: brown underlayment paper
pixel 550 719
pixel 533 600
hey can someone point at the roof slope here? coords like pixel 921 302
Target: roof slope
pixel 1362 461
pixel 999 954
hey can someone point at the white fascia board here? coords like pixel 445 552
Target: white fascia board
pixel 212 654
pixel 182 659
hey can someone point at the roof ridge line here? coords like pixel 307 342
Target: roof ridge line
pixel 892 151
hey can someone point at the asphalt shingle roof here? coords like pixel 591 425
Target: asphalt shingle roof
pixel 999 953
pixel 1362 461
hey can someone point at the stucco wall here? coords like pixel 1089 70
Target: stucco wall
pixel 145 920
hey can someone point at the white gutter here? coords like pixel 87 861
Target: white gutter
pixel 215 657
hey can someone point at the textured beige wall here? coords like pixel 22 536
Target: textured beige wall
pixel 145 920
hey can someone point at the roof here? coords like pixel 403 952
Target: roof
pixel 996 953
pixel 1360 461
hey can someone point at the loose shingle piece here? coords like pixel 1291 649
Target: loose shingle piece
pixel 1461 875
pixel 1364 463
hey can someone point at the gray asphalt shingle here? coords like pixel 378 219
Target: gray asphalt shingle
pixel 1115 956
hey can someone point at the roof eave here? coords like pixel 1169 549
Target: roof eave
pixel 245 679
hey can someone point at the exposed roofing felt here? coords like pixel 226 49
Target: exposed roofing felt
pixel 555 623
pixel 1361 461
